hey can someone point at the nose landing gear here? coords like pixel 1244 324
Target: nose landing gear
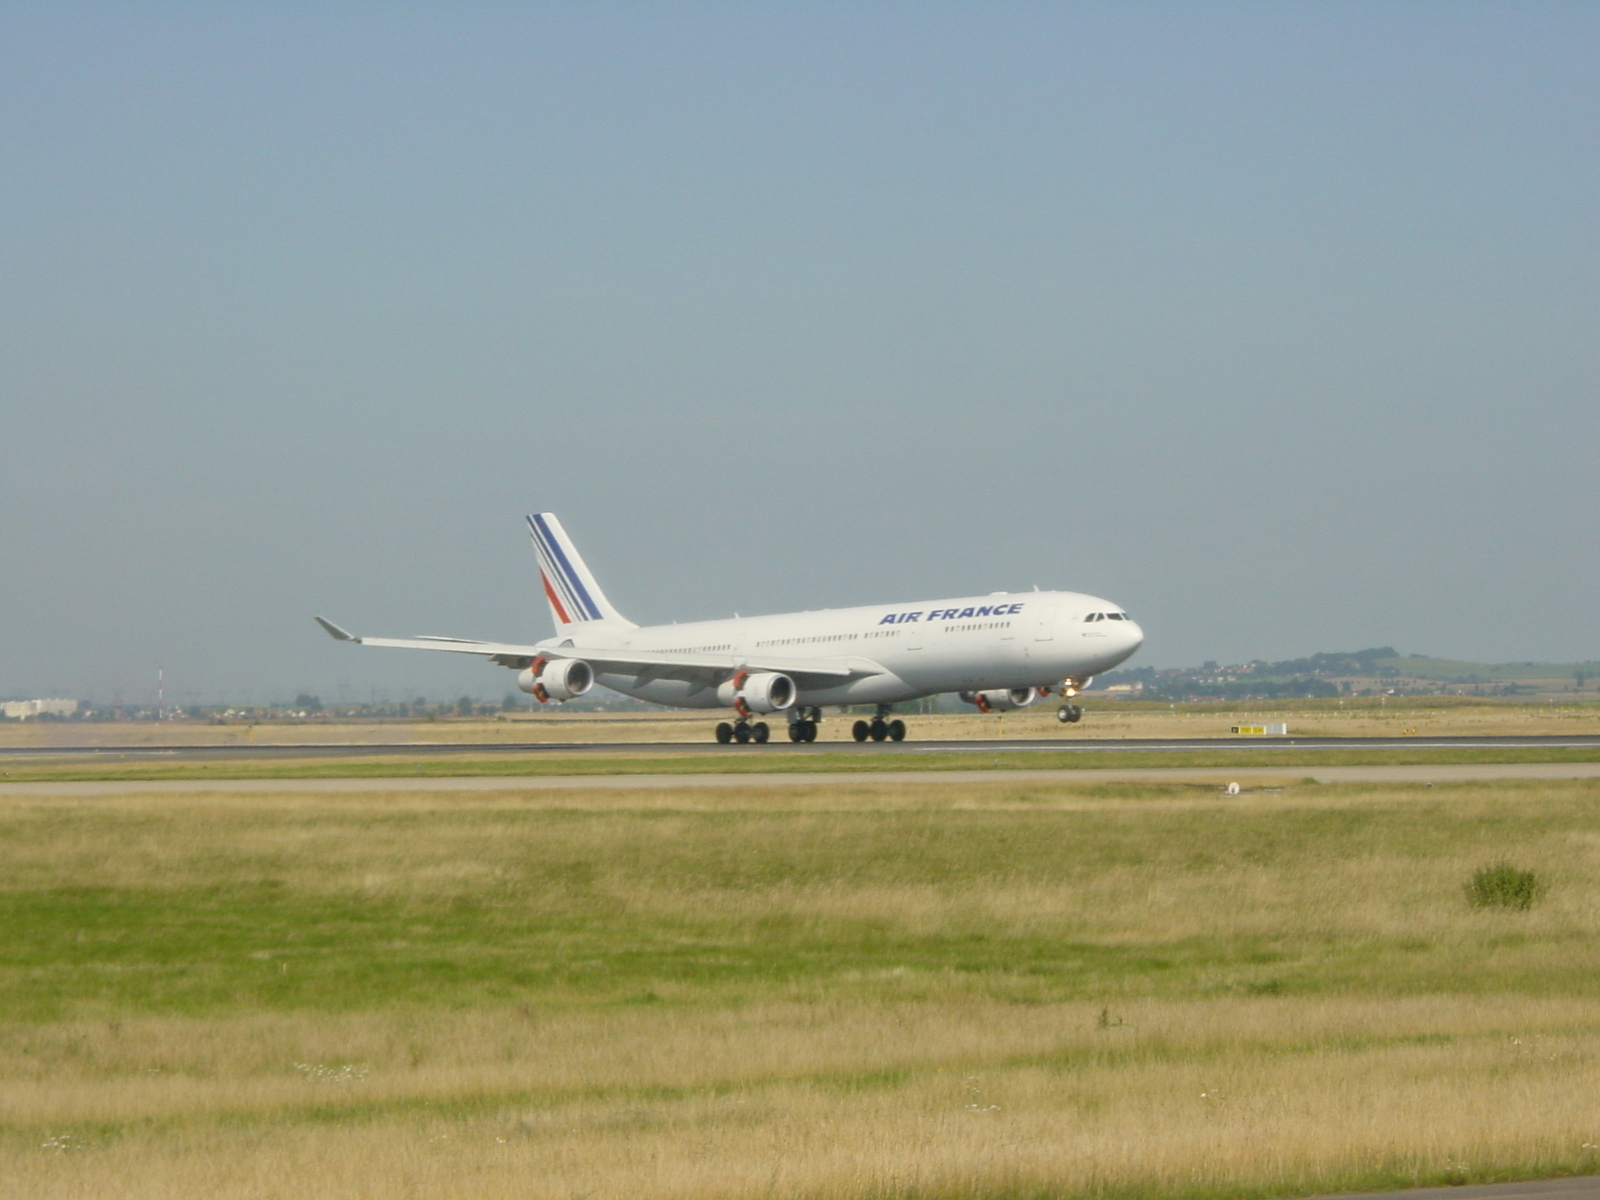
pixel 1069 713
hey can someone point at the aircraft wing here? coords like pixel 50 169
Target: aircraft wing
pixel 644 663
pixel 500 652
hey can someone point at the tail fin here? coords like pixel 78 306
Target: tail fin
pixel 575 598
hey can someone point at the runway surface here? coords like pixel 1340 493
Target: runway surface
pixel 1254 745
pixel 751 781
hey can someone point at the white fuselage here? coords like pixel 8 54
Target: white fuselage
pixel 1004 640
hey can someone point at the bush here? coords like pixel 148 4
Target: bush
pixel 1503 886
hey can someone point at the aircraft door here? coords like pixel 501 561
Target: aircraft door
pixel 1044 629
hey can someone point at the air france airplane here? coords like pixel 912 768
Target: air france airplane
pixel 1002 651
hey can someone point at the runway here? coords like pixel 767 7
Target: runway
pixel 1251 745
pixel 1419 775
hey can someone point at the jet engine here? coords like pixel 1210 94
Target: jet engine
pixel 761 692
pixel 1001 699
pixel 557 679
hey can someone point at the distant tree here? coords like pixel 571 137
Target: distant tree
pixel 1580 677
pixel 464 706
pixel 510 703
pixel 308 702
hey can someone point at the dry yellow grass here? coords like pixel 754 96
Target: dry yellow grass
pixel 955 1098
pixel 974 990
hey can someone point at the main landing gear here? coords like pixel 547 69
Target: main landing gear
pixel 743 731
pixel 803 722
pixel 803 726
pixel 878 728
pixel 1069 713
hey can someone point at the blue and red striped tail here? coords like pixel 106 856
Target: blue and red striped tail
pixel 575 598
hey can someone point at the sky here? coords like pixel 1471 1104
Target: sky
pixel 1274 323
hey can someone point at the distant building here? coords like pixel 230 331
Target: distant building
pixel 22 710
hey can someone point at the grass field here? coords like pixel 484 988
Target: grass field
pixel 868 990
pixel 751 760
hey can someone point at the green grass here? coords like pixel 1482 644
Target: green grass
pixel 236 909
pixel 1503 886
pixel 767 759
pixel 649 992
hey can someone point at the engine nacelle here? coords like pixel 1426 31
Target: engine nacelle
pixel 761 692
pixel 557 679
pixel 1001 699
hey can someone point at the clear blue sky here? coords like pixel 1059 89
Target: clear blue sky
pixel 1275 323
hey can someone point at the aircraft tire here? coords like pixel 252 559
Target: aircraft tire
pixel 797 731
pixel 724 733
pixel 1069 714
pixel 811 730
pixel 879 729
pixel 861 731
pixel 759 733
pixel 897 730
pixel 741 734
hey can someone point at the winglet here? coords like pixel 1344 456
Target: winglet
pixel 337 634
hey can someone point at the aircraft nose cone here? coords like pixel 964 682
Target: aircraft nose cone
pixel 1133 636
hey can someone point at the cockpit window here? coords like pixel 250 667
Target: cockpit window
pixel 1093 617
pixel 1114 617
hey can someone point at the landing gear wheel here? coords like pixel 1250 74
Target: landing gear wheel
pixel 1069 714
pixel 879 729
pixel 897 730
pixel 724 733
pixel 861 731
pixel 797 731
pixel 759 733
pixel 811 730
pixel 741 733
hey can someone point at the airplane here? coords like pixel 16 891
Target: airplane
pixel 1002 651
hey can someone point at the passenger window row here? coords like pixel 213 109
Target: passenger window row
pixel 826 637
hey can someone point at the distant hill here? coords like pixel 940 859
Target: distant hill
pixel 1380 670
pixel 1418 666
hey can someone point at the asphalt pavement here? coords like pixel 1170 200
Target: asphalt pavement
pixel 1218 777
pixel 1066 744
pixel 1585 1187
